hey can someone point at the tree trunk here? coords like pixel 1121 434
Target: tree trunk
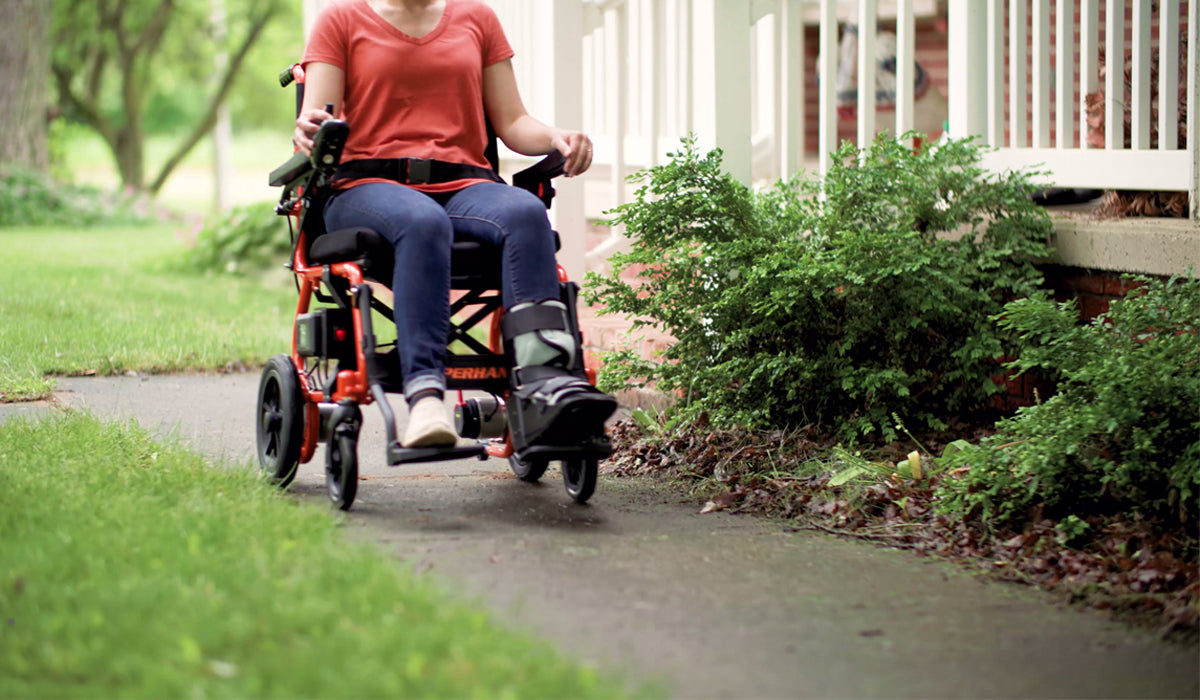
pixel 130 156
pixel 24 81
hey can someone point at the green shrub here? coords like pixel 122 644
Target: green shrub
pixel 250 237
pixel 1123 431
pixel 30 198
pixel 788 311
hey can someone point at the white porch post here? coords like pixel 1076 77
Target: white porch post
pixel 721 80
pixel 905 67
pixel 1193 88
pixel 789 88
pixel 565 70
pixel 827 86
pixel 868 19
pixel 968 60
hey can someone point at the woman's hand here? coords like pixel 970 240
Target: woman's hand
pixel 307 124
pixel 521 132
pixel 577 148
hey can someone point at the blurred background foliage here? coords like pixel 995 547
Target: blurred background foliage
pixel 145 76
pixel 172 50
pixel 185 64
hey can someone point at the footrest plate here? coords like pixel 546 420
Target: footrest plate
pixel 397 455
pixel 597 449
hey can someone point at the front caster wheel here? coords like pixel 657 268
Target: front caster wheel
pixel 530 469
pixel 341 456
pixel 280 425
pixel 579 476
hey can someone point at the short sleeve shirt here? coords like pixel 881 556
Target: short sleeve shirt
pixel 407 96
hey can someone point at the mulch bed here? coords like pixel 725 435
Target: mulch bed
pixel 1137 569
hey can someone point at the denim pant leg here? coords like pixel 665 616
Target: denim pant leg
pixel 421 234
pixel 515 222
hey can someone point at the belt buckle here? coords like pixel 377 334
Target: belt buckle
pixel 419 171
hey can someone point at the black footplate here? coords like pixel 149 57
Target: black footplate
pixel 397 455
pixel 598 448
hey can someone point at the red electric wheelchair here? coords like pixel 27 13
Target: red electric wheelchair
pixel 338 364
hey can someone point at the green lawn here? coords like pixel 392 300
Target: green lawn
pixel 99 301
pixel 133 569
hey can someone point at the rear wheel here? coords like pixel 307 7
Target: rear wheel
pixel 579 476
pixel 341 456
pixel 527 469
pixel 280 420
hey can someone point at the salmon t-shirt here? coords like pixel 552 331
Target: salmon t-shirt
pixel 412 97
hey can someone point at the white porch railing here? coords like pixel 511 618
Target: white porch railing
pixel 1036 114
pixel 731 71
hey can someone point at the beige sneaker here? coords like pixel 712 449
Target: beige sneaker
pixel 428 425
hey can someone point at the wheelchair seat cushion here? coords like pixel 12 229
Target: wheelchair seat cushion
pixel 359 245
pixel 473 265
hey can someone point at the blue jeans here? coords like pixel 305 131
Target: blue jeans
pixel 421 230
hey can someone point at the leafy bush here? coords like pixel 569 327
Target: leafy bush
pixel 30 198
pixel 250 237
pixel 788 310
pixel 1123 431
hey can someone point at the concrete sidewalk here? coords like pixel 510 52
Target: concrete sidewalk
pixel 710 605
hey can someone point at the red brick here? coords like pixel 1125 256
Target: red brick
pixel 1061 295
pixel 1119 287
pixel 1093 306
pixel 1089 284
pixel 1016 386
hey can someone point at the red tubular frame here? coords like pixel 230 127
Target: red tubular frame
pixel 352 385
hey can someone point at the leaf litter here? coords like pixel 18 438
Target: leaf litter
pixel 1134 568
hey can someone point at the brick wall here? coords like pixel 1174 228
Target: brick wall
pixel 1093 291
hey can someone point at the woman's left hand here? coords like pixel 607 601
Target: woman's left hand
pixel 577 147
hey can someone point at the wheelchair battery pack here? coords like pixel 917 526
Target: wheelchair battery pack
pixel 327 333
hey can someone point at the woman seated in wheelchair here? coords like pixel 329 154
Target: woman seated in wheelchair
pixel 415 79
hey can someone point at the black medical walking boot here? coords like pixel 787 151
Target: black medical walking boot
pixel 552 405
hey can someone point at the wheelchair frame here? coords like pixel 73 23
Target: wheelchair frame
pixel 314 395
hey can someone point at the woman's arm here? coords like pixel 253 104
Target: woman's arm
pixel 324 84
pixel 521 132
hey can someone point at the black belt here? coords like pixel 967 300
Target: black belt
pixel 413 171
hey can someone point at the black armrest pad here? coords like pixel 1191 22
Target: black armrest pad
pixel 547 168
pixel 536 178
pixel 298 165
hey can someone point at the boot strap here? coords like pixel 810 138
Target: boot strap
pixel 537 317
pixel 534 374
pixel 550 390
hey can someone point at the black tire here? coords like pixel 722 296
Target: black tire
pixel 527 470
pixel 280 420
pixel 579 476
pixel 341 457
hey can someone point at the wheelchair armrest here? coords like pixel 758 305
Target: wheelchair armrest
pixel 326 154
pixel 536 178
pixel 297 167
